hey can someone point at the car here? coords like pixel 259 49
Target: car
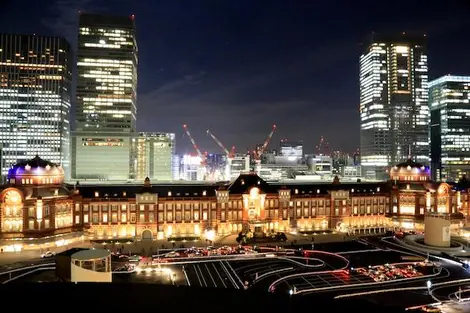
pixel 48 254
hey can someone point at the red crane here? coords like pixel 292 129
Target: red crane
pixel 199 153
pixel 265 144
pixel 230 154
pixel 322 147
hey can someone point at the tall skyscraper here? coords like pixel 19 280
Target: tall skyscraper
pixel 35 92
pixel 393 102
pixel 449 103
pixel 106 97
pixel 154 156
pixel 107 74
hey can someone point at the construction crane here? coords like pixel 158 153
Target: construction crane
pixel 230 154
pixel 265 144
pixel 199 153
pixel 322 146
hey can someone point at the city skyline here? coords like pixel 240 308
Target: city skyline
pixel 203 90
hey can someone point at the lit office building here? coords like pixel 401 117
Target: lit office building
pixel 449 98
pixel 291 148
pixel 393 103
pixel 35 76
pixel 191 168
pixel 106 92
pixel 102 156
pixel 154 155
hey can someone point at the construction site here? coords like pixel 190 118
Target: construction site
pixel 287 161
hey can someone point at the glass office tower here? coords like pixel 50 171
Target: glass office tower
pixel 449 103
pixel 154 156
pixel 35 92
pixel 106 97
pixel 107 74
pixel 393 103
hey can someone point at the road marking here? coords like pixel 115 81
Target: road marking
pixel 228 275
pixel 220 276
pixel 235 273
pixel 212 278
pixel 325 280
pixel 308 282
pixel 197 275
pixel 202 275
pixel 186 277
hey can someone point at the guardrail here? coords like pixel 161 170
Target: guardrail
pixel 292 260
pixel 10 273
pixel 34 269
pixel 260 277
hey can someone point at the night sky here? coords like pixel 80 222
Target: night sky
pixel 238 67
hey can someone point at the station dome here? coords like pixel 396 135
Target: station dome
pixel 36 172
pixel 410 171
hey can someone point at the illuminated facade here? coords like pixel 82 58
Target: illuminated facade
pixel 393 103
pixel 293 149
pixel 414 196
pixel 106 97
pixel 35 91
pixel 36 204
pixel 107 74
pixel 102 156
pixel 449 103
pixel 153 156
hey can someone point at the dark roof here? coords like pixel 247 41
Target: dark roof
pixel 117 191
pixel 241 185
pixel 245 182
pixel 323 189
pixel 410 163
pixel 35 162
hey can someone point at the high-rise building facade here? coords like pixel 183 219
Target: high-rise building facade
pixel 449 103
pixel 106 96
pixel 35 92
pixel 393 102
pixel 107 74
pixel 154 156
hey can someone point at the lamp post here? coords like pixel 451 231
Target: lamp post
pixel 429 285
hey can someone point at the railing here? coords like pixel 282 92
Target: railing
pixel 29 270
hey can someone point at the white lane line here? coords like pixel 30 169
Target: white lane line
pixel 210 275
pixel 235 273
pixel 308 282
pixel 186 277
pixel 324 280
pixel 220 276
pixel 202 275
pixel 197 275
pixel 228 275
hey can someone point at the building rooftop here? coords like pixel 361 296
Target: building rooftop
pixel 91 254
